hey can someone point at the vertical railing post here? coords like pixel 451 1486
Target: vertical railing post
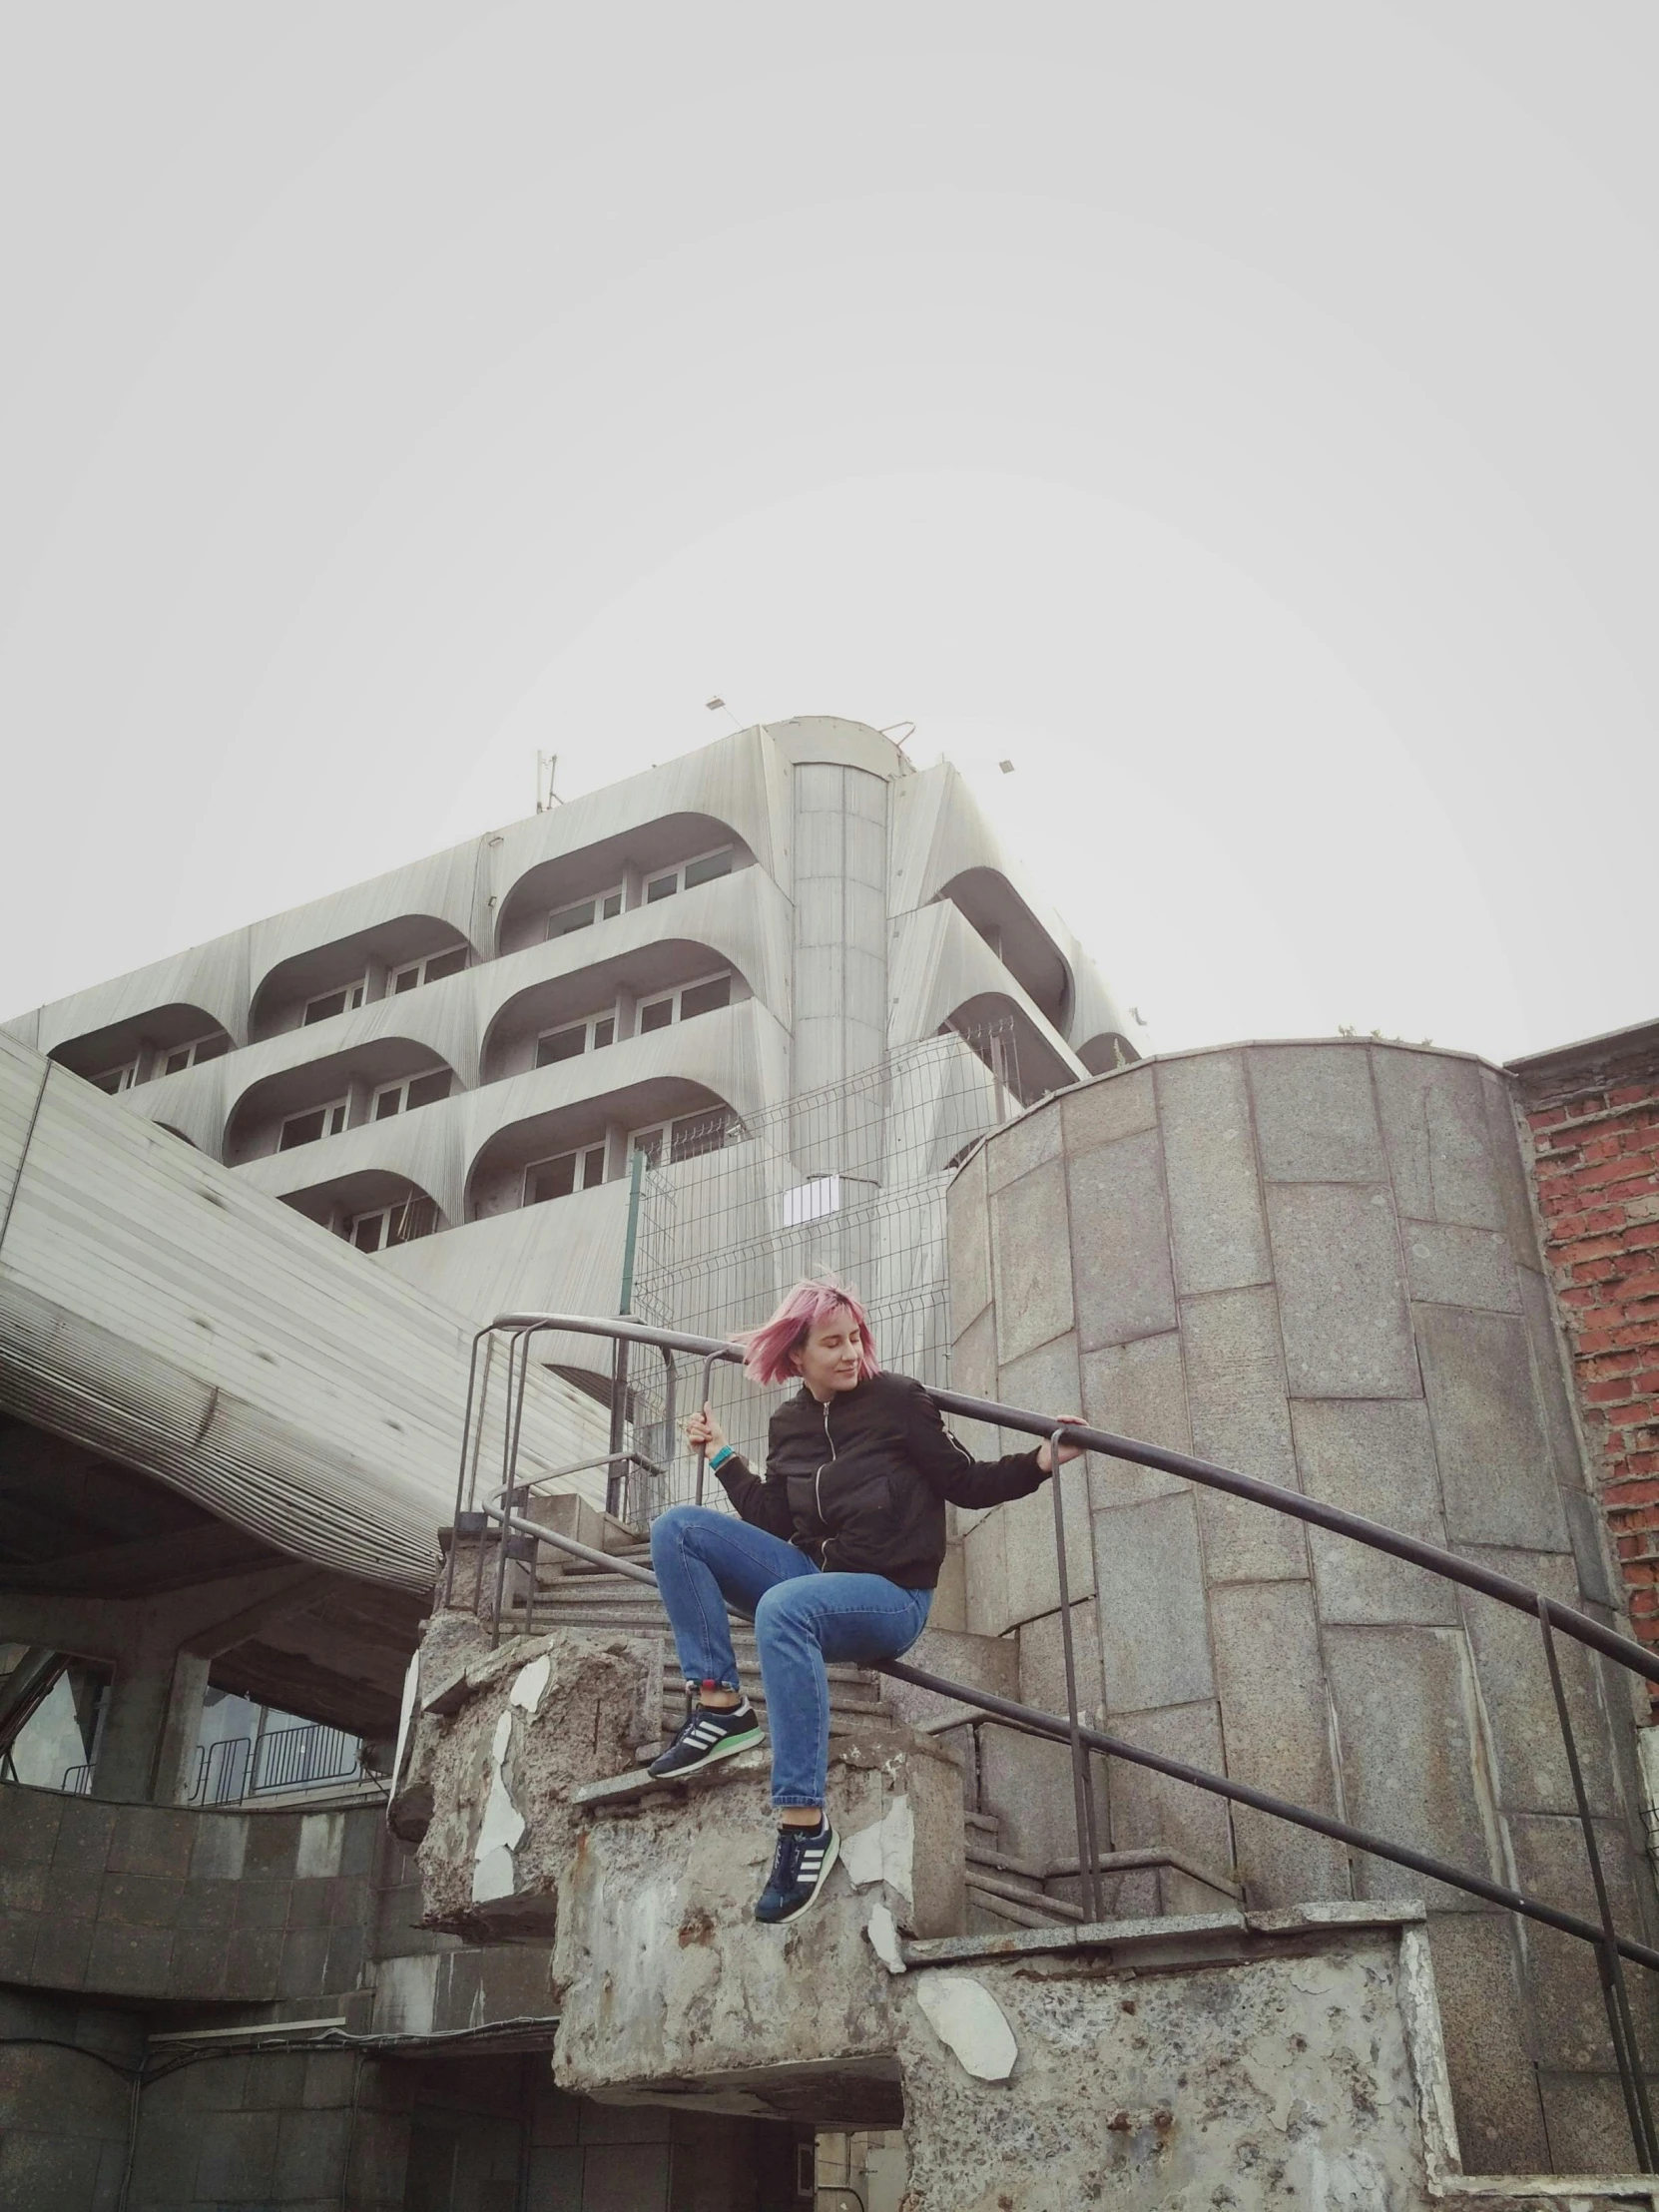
pixel 1621 2026
pixel 616 1478
pixel 631 1236
pixel 1082 1780
pixel 463 1496
pixel 512 1423
pixel 702 1449
pixel 617 1482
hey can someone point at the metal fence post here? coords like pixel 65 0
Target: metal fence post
pixel 1621 2026
pixel 1082 1777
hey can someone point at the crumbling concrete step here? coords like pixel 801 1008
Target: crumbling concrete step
pixel 588 1570
pixel 628 1789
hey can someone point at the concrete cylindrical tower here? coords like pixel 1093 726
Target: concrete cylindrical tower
pixel 1318 1264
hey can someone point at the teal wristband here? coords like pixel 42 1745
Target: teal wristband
pixel 720 1458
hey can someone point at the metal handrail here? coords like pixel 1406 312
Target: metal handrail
pixel 521 1539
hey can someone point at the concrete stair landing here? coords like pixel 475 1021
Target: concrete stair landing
pixel 1006 1891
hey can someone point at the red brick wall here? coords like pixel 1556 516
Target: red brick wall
pixel 1594 1116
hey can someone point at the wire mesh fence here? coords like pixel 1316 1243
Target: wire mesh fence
pixel 849 1180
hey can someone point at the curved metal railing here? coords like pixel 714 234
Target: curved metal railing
pixel 520 1540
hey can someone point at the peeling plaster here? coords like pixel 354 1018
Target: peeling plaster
pixel 884 1851
pixel 882 1930
pixel 532 1681
pixel 971 2023
pixel 503 1827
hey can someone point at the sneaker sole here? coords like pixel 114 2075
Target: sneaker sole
pixel 788 1919
pixel 726 1750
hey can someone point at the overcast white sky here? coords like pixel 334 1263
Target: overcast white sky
pixel 1242 417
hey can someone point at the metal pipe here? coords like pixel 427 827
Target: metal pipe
pixel 1446 1564
pixel 509 1466
pixel 1082 1790
pixel 671 1384
pixel 560 1474
pixel 460 1473
pixel 1622 2028
pixel 1263 1801
pixel 1058 1729
pixel 619 1420
pixel 1449 1564
pixel 703 1449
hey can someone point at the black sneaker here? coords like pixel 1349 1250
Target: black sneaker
pixel 800 1868
pixel 706 1737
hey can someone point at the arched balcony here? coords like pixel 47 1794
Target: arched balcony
pixel 372 1209
pixel 381 962
pixel 656 986
pixel 578 1146
pixel 1003 1035
pixel 304 1105
pixel 1108 1051
pixel 645 866
pixel 162 1041
pixel 990 902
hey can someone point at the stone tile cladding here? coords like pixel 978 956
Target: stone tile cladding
pixel 1595 1140
pixel 1319 1263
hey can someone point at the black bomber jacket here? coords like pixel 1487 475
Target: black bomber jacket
pixel 861 1484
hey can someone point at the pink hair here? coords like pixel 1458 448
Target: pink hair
pixel 767 1350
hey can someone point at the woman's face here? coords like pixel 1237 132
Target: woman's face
pixel 829 1360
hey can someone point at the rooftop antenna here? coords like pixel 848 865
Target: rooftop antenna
pixel 718 706
pixel 547 766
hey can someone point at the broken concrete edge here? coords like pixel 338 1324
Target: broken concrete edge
pixel 1420 2007
pixel 1574 2192
pixel 1185 1937
pixel 1170 1942
pixel 640 1782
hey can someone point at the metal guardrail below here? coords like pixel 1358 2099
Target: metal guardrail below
pixel 239 1767
pixel 521 1540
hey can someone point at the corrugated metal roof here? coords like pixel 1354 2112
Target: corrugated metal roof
pixel 158 1310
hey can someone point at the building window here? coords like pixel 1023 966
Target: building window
pixel 566 1173
pixel 708 867
pixel 347 997
pixel 432 969
pixel 415 1090
pixel 184 1056
pixel 306 1127
pixel 576 1037
pixel 702 869
pixel 586 912
pixel 400 1223
pixel 704 998
pixel 685 1004
pixel 117 1080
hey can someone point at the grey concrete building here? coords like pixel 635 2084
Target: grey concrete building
pixel 421 1062
pixel 252 1200
pixel 253 1203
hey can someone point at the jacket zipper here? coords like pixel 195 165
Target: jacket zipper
pixel 817 1494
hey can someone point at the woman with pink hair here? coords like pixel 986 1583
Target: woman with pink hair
pixel 835 1553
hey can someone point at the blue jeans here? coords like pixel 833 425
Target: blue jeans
pixel 801 1618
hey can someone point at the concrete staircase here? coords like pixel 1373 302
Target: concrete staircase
pixel 1005 1891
